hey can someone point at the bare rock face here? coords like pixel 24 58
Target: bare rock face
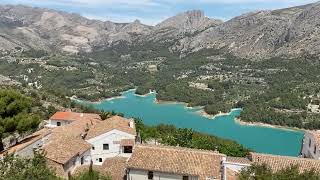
pixel 188 22
pixel 54 30
pixel 286 32
pixel 180 26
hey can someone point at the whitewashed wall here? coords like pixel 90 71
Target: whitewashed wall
pixel 135 174
pixel 53 123
pixel 28 151
pixel 308 149
pixel 112 138
pixel 71 165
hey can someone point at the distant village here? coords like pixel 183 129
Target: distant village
pixel 72 142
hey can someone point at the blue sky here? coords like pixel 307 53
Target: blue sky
pixel 153 11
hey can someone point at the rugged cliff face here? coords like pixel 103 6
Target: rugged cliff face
pixel 288 32
pixel 285 32
pixel 53 30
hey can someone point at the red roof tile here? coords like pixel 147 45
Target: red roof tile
pixel 73 116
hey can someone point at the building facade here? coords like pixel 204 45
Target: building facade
pixel 311 145
pixel 110 145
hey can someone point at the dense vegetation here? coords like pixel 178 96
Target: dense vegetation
pixel 263 172
pixel 15 168
pixel 17 113
pixel 274 91
pixel 172 136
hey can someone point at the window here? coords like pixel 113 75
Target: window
pixel 309 142
pixel 58 123
pixel 82 160
pixel 100 159
pixel 185 178
pixel 150 174
pixel 105 146
pixel 92 147
pixel 127 149
pixel 315 149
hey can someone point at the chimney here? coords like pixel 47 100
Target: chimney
pixel 131 124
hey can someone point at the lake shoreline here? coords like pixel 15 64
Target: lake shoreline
pixel 200 112
pixel 223 125
pixel 260 124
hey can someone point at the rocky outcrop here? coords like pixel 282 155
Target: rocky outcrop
pixel 54 30
pixel 285 32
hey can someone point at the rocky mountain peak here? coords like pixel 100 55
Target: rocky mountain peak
pixel 188 21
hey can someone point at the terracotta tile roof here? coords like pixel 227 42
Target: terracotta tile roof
pixel 76 128
pixel 73 116
pixel 114 167
pixel 27 141
pixel 280 162
pixel 115 122
pixel 238 160
pixel 127 142
pixel 316 135
pixel 83 168
pixel 62 148
pixel 183 161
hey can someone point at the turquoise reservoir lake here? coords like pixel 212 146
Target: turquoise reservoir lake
pixel 257 138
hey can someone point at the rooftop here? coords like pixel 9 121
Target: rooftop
pixel 239 160
pixel 73 116
pixel 27 141
pixel 76 128
pixel 114 167
pixel 115 122
pixel 183 161
pixel 62 148
pixel 280 162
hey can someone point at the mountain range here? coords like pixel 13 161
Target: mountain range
pixel 290 32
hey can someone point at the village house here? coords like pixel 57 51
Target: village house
pixel 89 140
pixel 64 154
pixel 64 118
pixel 110 145
pixel 28 145
pixel 173 163
pixel 311 145
pixel 113 137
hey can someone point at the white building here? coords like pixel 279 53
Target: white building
pixel 110 138
pixel 311 145
pixel 64 154
pixel 64 118
pixel 173 163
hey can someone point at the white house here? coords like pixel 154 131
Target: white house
pixel 65 153
pixel 110 138
pixel 65 118
pixel 311 145
pixel 173 163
